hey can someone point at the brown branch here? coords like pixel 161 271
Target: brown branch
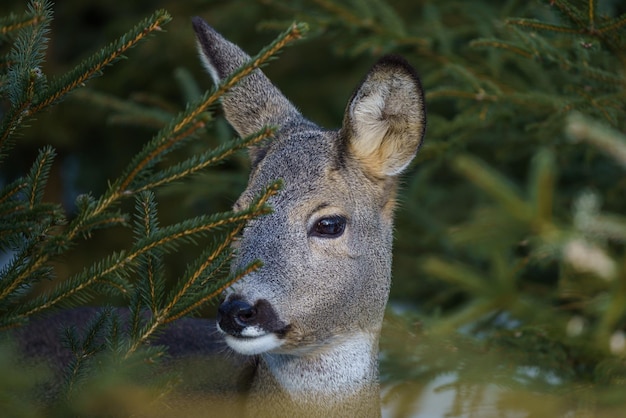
pixel 252 268
pixel 168 143
pixel 265 133
pixel 542 26
pixel 10 193
pixel 505 46
pixel 481 96
pixel 99 66
pixel 591 5
pixel 196 274
pixel 13 122
pixel 17 26
pixel 161 317
pixel 616 24
pixel 90 281
pixel 568 11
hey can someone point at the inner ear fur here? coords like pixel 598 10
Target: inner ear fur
pixel 385 119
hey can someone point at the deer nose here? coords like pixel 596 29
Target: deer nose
pixel 233 316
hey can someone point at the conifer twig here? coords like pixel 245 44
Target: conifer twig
pixel 168 137
pixel 197 163
pixel 235 278
pixel 20 23
pixel 502 45
pixel 613 25
pixel 539 25
pixel 493 183
pixel 164 315
pixel 573 14
pixel 24 78
pixel 96 63
pixel 591 6
pixel 609 141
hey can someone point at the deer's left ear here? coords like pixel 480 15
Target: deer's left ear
pixel 385 120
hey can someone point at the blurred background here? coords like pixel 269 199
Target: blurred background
pixel 489 294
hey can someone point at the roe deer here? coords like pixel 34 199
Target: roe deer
pixel 309 320
pixel 313 313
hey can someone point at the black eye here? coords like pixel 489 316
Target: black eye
pixel 329 227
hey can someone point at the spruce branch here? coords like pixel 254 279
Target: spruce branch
pixel 113 270
pixel 171 309
pixel 25 78
pixel 614 25
pixel 494 184
pixel 103 220
pixel 38 175
pixel 169 237
pixel 609 141
pixel 199 302
pixel 539 25
pixel 110 271
pixel 30 222
pixel 573 14
pixel 199 162
pixel 25 248
pixel 186 123
pixel 210 262
pixel 95 64
pixel 13 23
pixel 500 44
pixel 542 187
pixel 591 6
pixel 12 190
pixel 84 350
pixel 584 23
pixel 146 225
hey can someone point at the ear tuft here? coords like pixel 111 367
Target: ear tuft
pixel 385 120
pixel 218 56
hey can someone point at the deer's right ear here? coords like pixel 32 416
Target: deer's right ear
pixel 254 102
pixel 385 120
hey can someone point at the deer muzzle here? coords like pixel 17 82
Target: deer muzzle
pixel 250 328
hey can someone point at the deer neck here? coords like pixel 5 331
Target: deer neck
pixel 333 381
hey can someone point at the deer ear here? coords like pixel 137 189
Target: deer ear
pixel 254 102
pixel 385 120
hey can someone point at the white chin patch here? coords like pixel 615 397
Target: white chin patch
pixel 253 344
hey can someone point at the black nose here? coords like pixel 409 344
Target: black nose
pixel 235 315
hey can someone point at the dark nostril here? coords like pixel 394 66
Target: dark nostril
pixel 235 315
pixel 246 314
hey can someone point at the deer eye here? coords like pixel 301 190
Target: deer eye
pixel 329 227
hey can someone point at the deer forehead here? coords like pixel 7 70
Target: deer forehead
pixel 316 172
